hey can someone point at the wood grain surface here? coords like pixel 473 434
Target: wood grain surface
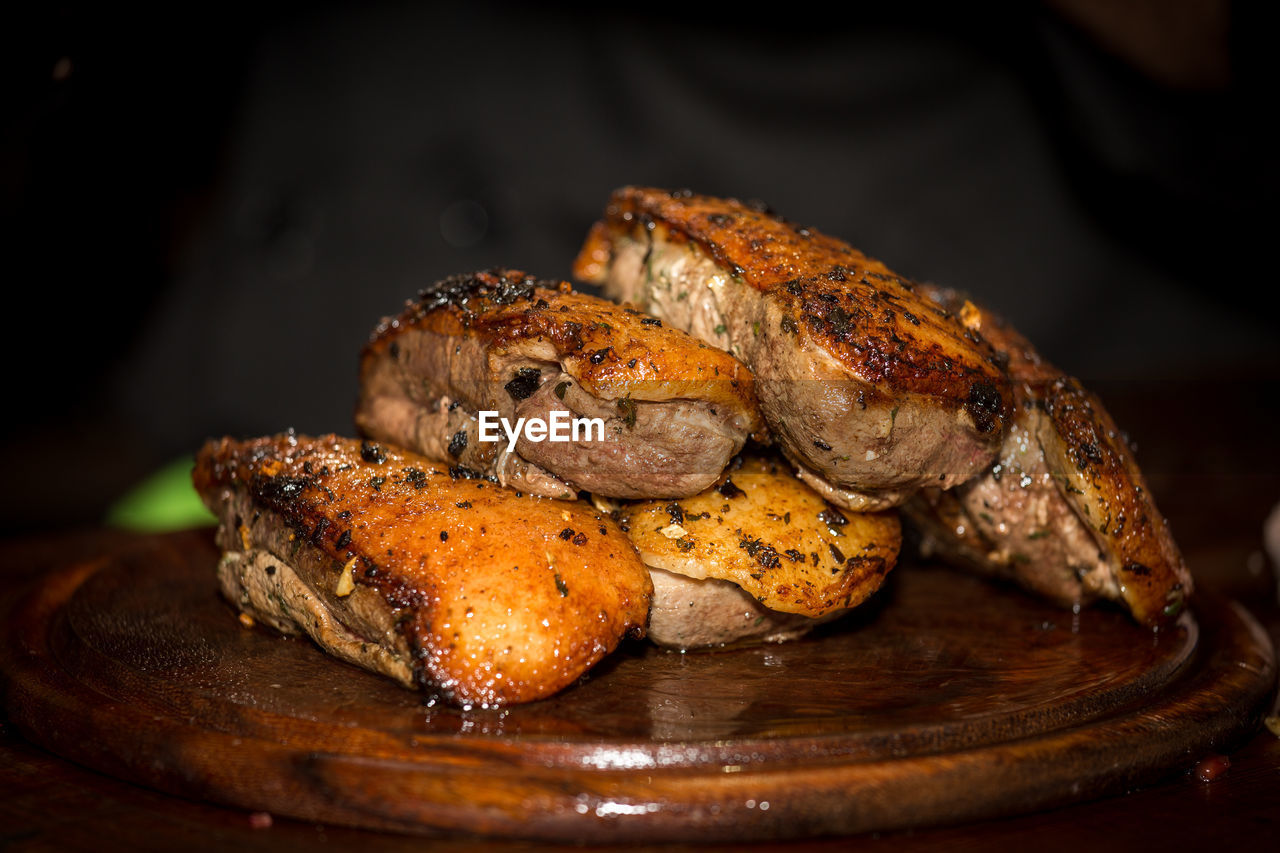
pixel 946 699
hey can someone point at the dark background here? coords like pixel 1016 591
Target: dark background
pixel 206 211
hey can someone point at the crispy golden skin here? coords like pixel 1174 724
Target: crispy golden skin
pixel 769 533
pixel 500 598
pixel 871 388
pixel 1064 510
pixel 612 351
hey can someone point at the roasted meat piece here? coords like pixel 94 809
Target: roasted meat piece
pixel 871 389
pixel 758 557
pixel 1063 510
pixel 454 585
pixel 672 411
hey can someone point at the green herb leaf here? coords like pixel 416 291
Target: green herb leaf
pixel 627 407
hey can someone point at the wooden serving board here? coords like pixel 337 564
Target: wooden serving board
pixel 947 698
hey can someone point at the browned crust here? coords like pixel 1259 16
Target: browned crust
pixel 1098 472
pixel 764 530
pixel 453 557
pixel 1093 467
pixel 611 350
pixel 869 318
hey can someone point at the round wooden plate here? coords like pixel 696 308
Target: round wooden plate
pixel 947 698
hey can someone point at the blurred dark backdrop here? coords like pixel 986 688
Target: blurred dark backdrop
pixel 206 211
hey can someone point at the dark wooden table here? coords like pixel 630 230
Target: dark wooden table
pixel 1217 489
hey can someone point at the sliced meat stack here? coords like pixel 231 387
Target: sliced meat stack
pixel 440 565
pixel 672 410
